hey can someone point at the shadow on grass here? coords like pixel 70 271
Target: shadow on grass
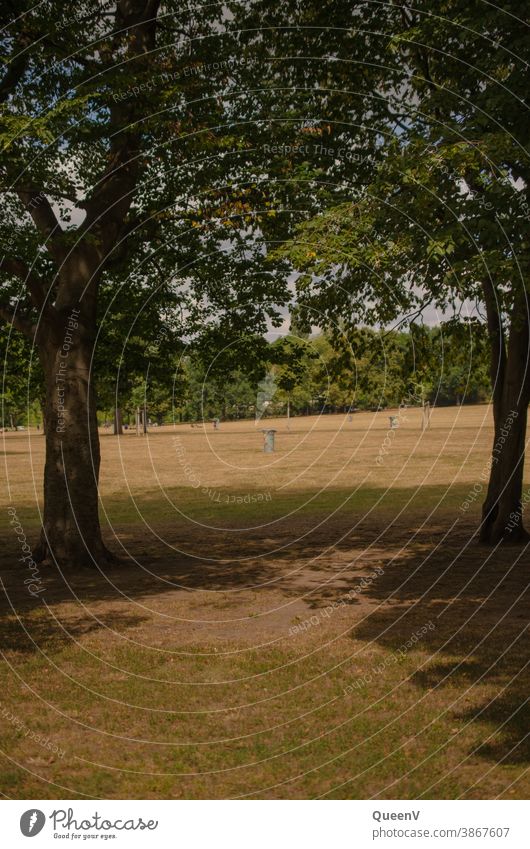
pixel 477 600
pixel 26 636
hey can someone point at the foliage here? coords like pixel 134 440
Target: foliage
pixel 365 370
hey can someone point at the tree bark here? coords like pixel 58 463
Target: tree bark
pixel 71 533
pixel 118 423
pixel 42 404
pixel 502 511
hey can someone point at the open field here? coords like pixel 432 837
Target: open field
pixel 315 622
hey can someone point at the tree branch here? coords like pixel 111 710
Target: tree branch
pixel 45 191
pixel 44 218
pixel 108 205
pixel 419 50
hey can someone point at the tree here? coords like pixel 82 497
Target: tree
pixel 58 308
pixel 291 357
pixel 139 341
pixel 113 131
pixel 21 381
pixel 443 220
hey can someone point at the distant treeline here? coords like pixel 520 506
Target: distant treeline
pixel 366 370
pixel 370 370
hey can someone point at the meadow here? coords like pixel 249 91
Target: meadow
pixel 319 622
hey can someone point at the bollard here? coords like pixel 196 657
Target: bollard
pixel 268 445
pixel 394 423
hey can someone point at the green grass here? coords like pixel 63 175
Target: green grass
pixel 142 716
pixel 180 676
pixel 305 729
pixel 181 502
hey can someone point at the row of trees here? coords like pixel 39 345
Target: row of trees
pixel 371 370
pixel 171 170
pixel 368 370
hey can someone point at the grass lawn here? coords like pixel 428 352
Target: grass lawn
pixel 319 622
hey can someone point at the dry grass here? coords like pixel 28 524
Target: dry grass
pixel 185 673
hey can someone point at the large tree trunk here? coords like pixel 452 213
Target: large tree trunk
pixel 502 512
pixel 71 533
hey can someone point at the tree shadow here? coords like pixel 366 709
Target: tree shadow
pixel 27 635
pixel 477 601
pixel 408 575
